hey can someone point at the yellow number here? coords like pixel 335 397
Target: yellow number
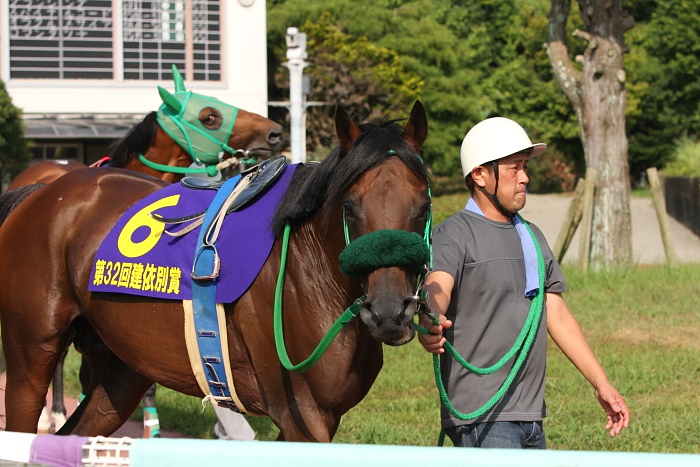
pixel 131 249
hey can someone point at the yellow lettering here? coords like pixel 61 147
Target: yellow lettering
pixel 99 272
pixel 131 249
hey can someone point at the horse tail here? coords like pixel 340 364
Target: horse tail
pixel 11 199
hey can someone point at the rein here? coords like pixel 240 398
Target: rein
pixel 348 315
pixel 521 347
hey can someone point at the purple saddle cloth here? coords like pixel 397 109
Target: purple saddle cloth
pixel 137 258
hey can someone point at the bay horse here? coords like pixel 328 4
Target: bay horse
pixel 187 128
pixel 158 147
pixel 373 182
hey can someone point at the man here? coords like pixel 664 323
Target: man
pixel 482 288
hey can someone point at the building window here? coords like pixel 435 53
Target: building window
pixel 69 39
pixel 45 151
pixel 61 39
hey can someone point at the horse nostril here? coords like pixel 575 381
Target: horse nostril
pixel 275 135
pixel 408 303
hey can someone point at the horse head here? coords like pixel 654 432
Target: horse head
pixel 210 130
pixel 387 216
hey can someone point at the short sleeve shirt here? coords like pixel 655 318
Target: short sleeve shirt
pixel 488 309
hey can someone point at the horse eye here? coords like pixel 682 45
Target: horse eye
pixel 348 210
pixel 210 118
pixel 424 211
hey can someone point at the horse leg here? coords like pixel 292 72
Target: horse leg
pixel 151 424
pixel 58 408
pixel 113 394
pixel 28 379
pixel 43 427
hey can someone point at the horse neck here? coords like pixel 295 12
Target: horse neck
pixel 164 151
pixel 318 246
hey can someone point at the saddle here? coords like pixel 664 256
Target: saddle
pixel 253 181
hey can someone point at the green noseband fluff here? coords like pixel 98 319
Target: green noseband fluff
pixel 383 249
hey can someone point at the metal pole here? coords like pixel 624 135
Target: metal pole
pixel 296 55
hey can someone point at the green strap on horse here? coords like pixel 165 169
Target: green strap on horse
pixel 381 248
pixel 521 348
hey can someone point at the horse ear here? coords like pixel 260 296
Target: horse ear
pixel 169 100
pixel 416 130
pixel 179 81
pixel 345 128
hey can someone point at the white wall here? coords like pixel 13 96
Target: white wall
pixel 244 79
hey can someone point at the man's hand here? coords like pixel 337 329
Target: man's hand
pixel 615 408
pixel 434 341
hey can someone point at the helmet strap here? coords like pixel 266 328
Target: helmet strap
pixel 494 197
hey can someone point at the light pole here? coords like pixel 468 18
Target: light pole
pixel 296 62
pixel 299 87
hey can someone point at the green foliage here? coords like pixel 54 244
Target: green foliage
pixel 663 72
pixel 685 160
pixel 15 151
pixel 478 59
pixel 367 79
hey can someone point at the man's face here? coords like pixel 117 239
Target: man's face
pixel 512 181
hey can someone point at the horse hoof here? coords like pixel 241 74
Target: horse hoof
pixel 59 419
pixel 44 425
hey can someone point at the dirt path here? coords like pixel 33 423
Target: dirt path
pixel 549 211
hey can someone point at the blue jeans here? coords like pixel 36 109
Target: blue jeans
pixel 499 435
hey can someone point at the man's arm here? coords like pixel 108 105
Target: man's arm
pixel 568 335
pixel 439 286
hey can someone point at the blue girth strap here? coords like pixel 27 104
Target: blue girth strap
pixel 205 271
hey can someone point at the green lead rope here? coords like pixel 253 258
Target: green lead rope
pixel 348 315
pixel 521 347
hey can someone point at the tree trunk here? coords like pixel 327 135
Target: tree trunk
pixel 597 93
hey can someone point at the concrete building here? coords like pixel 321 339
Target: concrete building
pixel 85 71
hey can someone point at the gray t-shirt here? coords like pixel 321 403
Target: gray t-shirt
pixel 488 308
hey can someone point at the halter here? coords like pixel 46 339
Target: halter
pixel 178 116
pixel 390 247
pixel 351 312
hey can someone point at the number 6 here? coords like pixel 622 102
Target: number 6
pixel 143 218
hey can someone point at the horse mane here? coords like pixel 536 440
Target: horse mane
pixel 11 199
pixel 137 141
pixel 321 186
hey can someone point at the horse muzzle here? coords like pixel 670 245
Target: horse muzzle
pixel 389 318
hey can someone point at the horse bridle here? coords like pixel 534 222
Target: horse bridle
pixel 353 310
pixel 177 117
pixel 420 295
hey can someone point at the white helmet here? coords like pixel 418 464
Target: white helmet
pixel 493 139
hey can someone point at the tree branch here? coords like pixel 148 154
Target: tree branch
pixel 565 73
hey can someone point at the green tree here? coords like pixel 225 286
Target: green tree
pixel 665 70
pixel 366 79
pixel 424 49
pixel 15 151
